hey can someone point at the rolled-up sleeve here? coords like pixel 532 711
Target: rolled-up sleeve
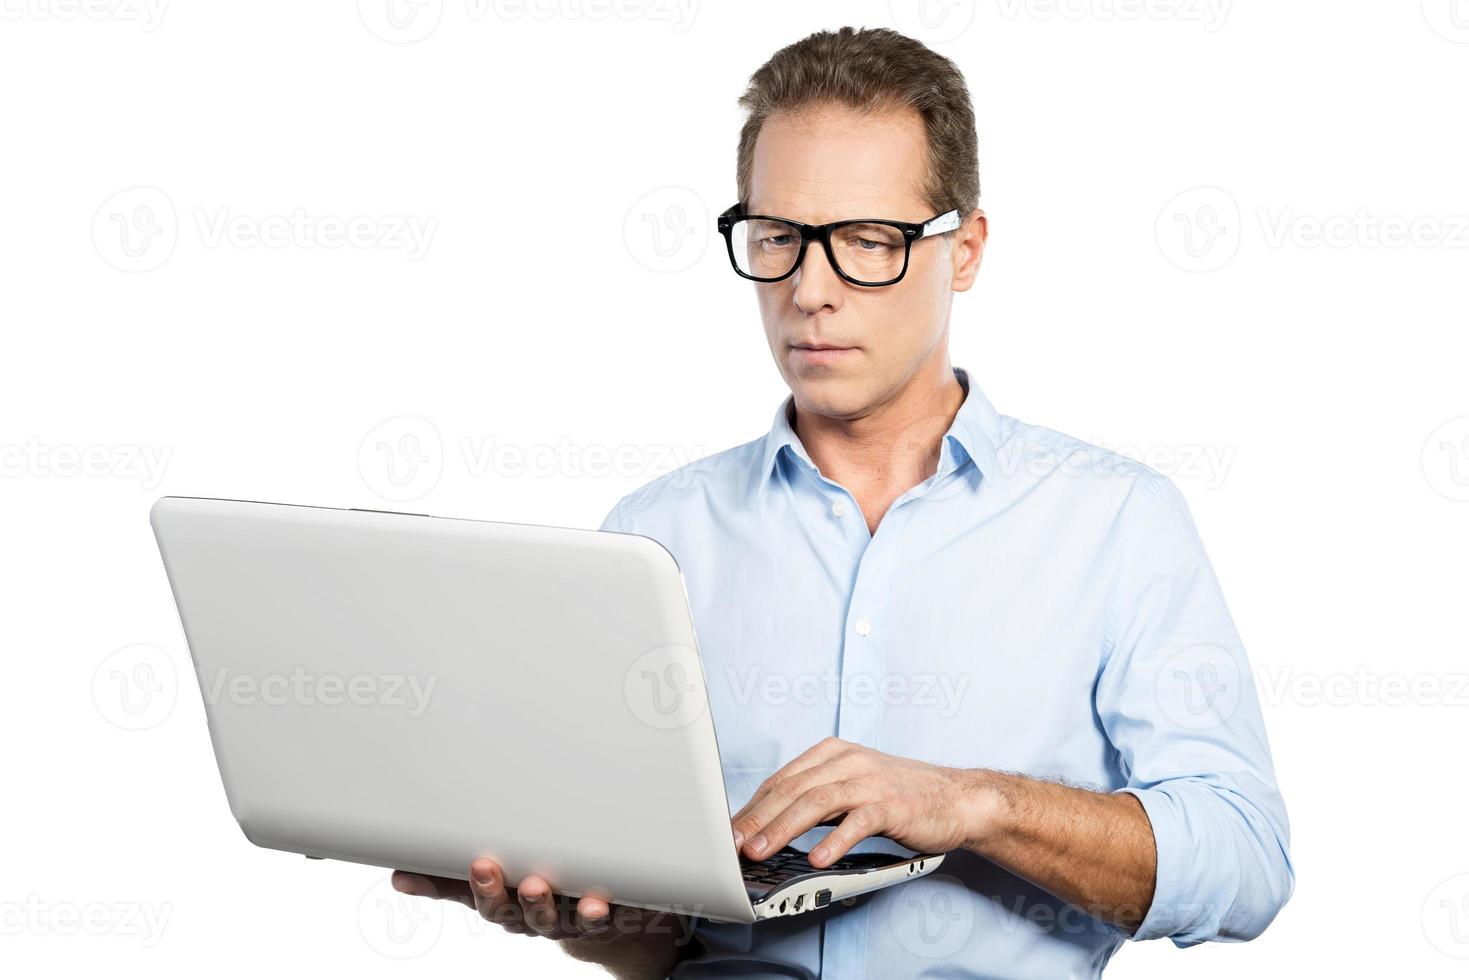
pixel 1177 699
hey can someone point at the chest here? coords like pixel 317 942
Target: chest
pixel 963 645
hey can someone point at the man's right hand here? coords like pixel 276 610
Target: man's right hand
pixel 630 943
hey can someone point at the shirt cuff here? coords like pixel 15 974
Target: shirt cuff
pixel 1168 915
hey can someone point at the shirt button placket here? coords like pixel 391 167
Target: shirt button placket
pixel 860 716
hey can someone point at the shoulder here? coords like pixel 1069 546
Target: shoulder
pixel 720 480
pixel 1036 459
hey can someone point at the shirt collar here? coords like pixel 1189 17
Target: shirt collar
pixel 974 434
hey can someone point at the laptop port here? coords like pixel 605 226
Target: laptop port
pixel 823 898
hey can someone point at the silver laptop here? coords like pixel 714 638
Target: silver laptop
pixel 412 692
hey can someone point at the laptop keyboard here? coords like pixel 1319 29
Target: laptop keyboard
pixel 788 863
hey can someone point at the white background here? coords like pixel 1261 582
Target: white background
pixel 565 327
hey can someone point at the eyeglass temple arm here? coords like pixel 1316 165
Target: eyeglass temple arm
pixel 947 221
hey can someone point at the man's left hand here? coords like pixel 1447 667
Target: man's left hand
pixel 926 808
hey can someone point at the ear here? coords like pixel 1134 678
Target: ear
pixel 968 250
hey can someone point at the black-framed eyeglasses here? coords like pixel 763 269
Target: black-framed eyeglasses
pixel 863 251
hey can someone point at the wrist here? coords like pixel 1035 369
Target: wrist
pixel 986 809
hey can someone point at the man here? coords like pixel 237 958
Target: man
pixel 1017 648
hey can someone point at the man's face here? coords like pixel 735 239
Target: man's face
pixel 828 164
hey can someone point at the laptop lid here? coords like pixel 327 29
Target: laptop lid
pixel 412 692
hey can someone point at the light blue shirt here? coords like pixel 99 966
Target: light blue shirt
pixel 1039 606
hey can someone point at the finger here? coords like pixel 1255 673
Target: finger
pixel 432 886
pixel 779 795
pixel 789 780
pixel 822 801
pixel 538 905
pixel 822 751
pixel 825 752
pixel 863 822
pixel 491 898
pixel 753 827
pixel 811 757
pixel 593 917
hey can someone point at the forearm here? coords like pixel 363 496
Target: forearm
pixel 1094 850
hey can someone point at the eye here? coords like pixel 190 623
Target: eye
pixel 776 241
pixel 868 245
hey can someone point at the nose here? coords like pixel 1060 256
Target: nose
pixel 818 286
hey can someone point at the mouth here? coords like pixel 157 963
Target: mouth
pixel 820 353
pixel 820 346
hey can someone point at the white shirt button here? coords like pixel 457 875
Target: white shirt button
pixel 839 509
pixel 863 627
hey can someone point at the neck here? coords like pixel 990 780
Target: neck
pixel 890 448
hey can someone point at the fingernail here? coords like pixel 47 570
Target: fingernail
pixel 819 854
pixel 739 838
pixel 758 843
pixel 483 878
